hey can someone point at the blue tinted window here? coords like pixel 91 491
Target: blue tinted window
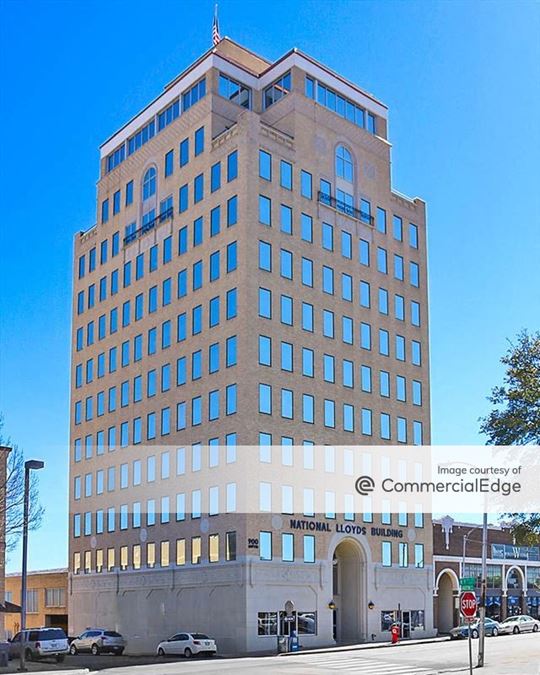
pixel 182 240
pixel 116 202
pixel 214 266
pixel 215 177
pixel 169 163
pixel 198 231
pixel 215 221
pixel 231 256
pixel 198 188
pixel 265 165
pixel 231 303
pixel 104 210
pixel 230 347
pixel 232 211
pixel 197 275
pixel 129 193
pixel 199 141
pixel 265 210
pixel 115 244
pixel 232 166
pixel 183 195
pixel 184 152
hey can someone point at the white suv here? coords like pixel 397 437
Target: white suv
pixel 40 643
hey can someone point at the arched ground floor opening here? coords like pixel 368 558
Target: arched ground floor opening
pixel 348 584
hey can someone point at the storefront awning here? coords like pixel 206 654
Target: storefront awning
pixel 7 607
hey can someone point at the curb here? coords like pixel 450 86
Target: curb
pixel 78 671
pixel 368 645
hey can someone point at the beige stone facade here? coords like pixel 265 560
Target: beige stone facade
pixel 125 572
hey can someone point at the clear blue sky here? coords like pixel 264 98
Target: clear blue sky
pixel 461 79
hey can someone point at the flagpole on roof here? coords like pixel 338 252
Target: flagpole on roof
pixel 216 37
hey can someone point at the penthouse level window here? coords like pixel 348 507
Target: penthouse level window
pixel 194 94
pixel 141 137
pixel 234 91
pixel 344 107
pixel 277 90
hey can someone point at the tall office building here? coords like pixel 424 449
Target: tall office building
pixel 252 280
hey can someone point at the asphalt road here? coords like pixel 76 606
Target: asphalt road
pixel 505 655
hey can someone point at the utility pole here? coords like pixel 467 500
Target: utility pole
pixel 30 465
pixel 482 627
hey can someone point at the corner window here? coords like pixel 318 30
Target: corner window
pixel 277 90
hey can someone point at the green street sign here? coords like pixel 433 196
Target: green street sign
pixel 467 583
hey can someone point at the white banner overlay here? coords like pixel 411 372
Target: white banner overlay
pixel 319 479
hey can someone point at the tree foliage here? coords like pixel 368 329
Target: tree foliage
pixel 515 418
pixel 13 504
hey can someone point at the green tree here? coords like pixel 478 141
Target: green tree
pixel 515 417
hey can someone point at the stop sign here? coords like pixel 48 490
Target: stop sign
pixel 467 604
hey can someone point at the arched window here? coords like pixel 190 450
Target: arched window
pixel 344 164
pixel 149 183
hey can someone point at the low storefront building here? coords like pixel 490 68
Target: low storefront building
pixel 513 572
pixel 46 600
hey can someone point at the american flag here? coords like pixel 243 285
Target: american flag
pixel 215 29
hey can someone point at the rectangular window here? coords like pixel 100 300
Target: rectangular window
pixel 169 163
pixel 184 152
pixel 328 236
pixel 265 165
pixel 232 211
pixel 287 547
pixel 306 184
pixel 183 198
pixel 364 294
pixel 215 177
pixel 413 235
pixel 285 175
pixel 265 303
pixel 386 553
pixel 415 313
pixel 397 224
pixel 265 545
pixel 285 219
pixel 199 141
pixel 403 553
pixel 232 166
pixel 265 210
pixel 419 555
pixel 265 399
pixel 306 227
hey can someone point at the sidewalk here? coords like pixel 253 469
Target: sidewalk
pixel 367 645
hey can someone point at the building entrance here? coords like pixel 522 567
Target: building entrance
pixel 348 582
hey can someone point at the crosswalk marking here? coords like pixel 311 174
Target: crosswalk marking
pixel 359 665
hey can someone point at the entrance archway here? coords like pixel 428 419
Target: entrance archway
pixel 347 584
pixel 447 587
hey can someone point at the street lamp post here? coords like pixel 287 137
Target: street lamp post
pixel 30 465
pixel 465 539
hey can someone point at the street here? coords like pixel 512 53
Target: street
pixel 505 655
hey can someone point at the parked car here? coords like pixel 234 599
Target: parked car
pixel 462 631
pixel 39 643
pixel 98 641
pixel 519 624
pixel 187 644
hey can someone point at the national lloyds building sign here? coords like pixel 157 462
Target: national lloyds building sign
pixel 254 290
